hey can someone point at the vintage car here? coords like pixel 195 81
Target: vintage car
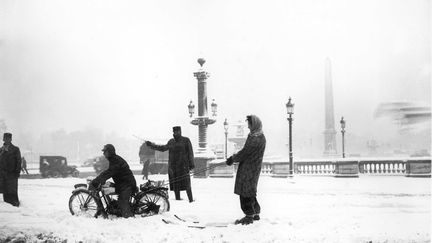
pixel 56 166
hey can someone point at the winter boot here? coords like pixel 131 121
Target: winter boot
pixel 256 217
pixel 177 195
pixel 248 219
pixel 189 194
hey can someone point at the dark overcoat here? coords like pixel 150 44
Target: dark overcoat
pixel 119 170
pixel 180 162
pixel 10 160
pixel 250 160
pixel 10 169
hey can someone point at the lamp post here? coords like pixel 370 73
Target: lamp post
pixel 342 122
pixel 226 137
pixel 203 156
pixel 290 111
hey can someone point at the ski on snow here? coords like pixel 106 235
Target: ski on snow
pixel 194 224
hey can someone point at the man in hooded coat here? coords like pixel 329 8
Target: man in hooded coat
pixel 180 162
pixel 249 160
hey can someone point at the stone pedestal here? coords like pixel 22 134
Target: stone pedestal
pixel 280 169
pixel 346 169
pixel 202 162
pixel 223 171
pixel 418 168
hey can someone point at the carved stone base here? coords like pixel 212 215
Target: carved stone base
pixel 223 171
pixel 418 168
pixel 346 169
pixel 202 162
pixel 280 169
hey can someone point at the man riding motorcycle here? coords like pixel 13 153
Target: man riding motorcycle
pixel 123 177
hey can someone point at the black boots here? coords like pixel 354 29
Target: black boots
pixel 177 195
pixel 248 219
pixel 188 192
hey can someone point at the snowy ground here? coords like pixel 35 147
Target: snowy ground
pixel 303 209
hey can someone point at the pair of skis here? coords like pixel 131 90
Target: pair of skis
pixel 194 224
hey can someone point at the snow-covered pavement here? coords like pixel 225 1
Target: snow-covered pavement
pixel 303 209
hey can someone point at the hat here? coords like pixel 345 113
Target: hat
pixel 176 128
pixel 109 147
pixel 7 135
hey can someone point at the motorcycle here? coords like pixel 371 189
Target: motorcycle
pixel 150 199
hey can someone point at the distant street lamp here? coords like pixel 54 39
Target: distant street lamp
pixel 290 111
pixel 191 108
pixel 214 108
pixel 342 122
pixel 226 137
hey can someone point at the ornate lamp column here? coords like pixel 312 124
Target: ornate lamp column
pixel 290 111
pixel 346 168
pixel 226 137
pixel 203 156
pixel 342 122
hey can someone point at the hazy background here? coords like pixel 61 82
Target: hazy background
pixel 77 74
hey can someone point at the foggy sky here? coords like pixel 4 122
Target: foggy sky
pixel 127 66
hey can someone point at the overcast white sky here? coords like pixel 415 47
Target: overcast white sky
pixel 127 66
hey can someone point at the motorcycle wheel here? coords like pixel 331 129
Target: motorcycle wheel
pixel 82 203
pixel 152 203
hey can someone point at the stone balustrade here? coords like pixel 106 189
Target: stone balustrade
pixel 314 168
pixel 347 167
pixel 388 166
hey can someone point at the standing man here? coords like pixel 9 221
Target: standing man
pixel 146 155
pixel 180 162
pixel 10 168
pixel 145 170
pixel 123 178
pixel 24 165
pixel 250 159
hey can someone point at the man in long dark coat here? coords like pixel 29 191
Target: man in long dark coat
pixel 123 178
pixel 10 169
pixel 180 162
pixel 250 160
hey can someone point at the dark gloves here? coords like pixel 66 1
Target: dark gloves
pixel 229 161
pixel 191 167
pixel 148 143
pixel 94 185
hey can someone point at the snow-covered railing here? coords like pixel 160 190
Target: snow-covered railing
pixel 266 169
pixel 405 166
pixel 382 166
pixel 314 167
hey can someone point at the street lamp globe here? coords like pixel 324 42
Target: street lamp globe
pixel 214 107
pixel 342 122
pixel 225 124
pixel 290 107
pixel 191 108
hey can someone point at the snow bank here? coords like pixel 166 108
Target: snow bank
pixel 303 209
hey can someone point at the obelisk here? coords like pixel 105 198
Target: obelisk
pixel 329 132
